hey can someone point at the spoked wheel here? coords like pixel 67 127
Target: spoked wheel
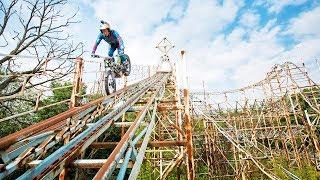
pixel 127 65
pixel 110 83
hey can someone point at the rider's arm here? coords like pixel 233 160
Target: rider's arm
pixel 99 38
pixel 121 45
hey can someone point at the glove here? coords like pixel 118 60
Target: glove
pixel 94 56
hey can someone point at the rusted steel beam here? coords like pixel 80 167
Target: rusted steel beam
pixel 53 121
pixel 141 154
pixel 104 145
pixel 34 129
pixel 52 165
pixel 187 121
pixel 164 143
pixel 142 102
pixel 168 101
pixel 94 163
pixel 77 86
pixel 180 132
pixel 123 143
pixel 174 162
pixel 84 163
pixel 188 128
pixel 169 107
pixel 77 83
pixel 108 145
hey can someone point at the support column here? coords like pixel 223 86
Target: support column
pixel 77 82
pixel 187 122
pixel 77 86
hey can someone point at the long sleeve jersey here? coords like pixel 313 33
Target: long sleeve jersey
pixel 113 39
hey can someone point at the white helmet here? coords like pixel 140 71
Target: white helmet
pixel 104 26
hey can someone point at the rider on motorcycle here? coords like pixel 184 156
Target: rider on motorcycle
pixel 112 38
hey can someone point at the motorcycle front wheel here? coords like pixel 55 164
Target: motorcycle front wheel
pixel 110 83
pixel 127 66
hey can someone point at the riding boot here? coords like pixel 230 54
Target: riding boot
pixel 123 59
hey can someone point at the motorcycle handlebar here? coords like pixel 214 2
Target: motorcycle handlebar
pixel 98 56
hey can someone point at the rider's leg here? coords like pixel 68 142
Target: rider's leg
pixel 121 54
pixel 111 51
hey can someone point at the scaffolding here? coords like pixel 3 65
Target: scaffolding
pixel 268 129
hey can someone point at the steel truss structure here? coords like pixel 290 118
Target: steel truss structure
pixel 254 131
pixel 152 130
pixel 149 113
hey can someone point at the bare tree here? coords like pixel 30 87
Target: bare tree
pixel 38 30
pixel 7 13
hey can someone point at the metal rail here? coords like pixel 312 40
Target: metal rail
pixel 39 140
pixel 53 164
pixel 106 170
pixel 158 125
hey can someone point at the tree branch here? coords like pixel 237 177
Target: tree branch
pixel 7 14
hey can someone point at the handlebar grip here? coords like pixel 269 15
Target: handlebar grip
pixel 95 56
